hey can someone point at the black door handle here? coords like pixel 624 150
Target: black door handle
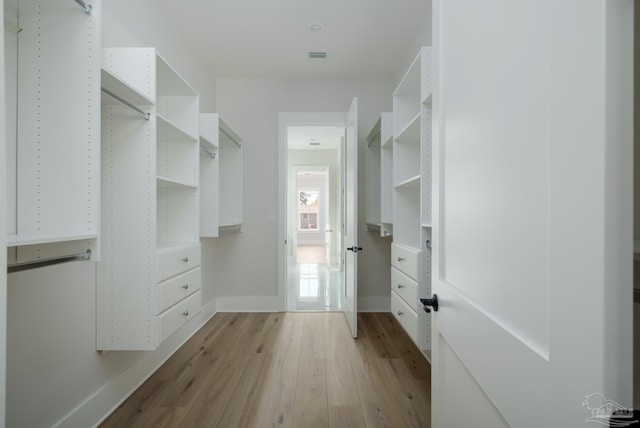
pixel 433 302
pixel 354 249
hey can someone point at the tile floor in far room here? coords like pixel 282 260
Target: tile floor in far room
pixel 311 286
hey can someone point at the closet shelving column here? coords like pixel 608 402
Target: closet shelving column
pixel 426 186
pixel 220 177
pixel 379 176
pixel 406 250
pixel 231 180
pixel 149 280
pixel 178 203
pixel 209 174
pixel 53 129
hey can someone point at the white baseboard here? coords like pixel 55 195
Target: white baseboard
pixel 374 304
pixel 98 406
pixel 247 304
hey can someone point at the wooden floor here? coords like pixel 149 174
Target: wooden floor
pixel 287 370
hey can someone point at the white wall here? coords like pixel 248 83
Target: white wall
pixel 251 108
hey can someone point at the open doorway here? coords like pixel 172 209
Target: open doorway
pixel 315 279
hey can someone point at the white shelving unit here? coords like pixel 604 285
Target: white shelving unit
pixel 220 177
pixel 231 195
pixel 410 252
pixel 379 173
pixel 149 278
pixel 209 174
pixel 53 158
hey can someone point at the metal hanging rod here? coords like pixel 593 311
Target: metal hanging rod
pixel 230 137
pixel 208 152
pixel 34 264
pixel 127 104
pixel 370 142
pixel 87 7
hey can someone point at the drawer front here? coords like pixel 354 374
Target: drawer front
pixel 175 261
pixel 177 288
pixel 404 286
pixel 405 260
pixel 177 316
pixel 406 316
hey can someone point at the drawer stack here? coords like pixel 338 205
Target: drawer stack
pixel 404 289
pixel 179 297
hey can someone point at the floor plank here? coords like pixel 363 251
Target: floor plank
pixel 311 408
pixel 286 370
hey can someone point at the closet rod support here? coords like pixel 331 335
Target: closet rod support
pixel 127 104
pixel 230 137
pixel 88 9
pixel 208 152
pixel 34 264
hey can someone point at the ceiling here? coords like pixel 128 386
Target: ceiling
pixel 272 38
pixel 328 137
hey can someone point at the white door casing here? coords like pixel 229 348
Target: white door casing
pixel 350 160
pixel 532 211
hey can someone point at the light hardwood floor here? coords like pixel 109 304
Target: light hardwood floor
pixel 287 370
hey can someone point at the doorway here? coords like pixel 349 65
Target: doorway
pixel 315 280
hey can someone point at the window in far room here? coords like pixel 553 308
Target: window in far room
pixel 308 209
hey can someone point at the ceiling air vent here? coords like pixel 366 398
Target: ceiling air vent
pixel 317 54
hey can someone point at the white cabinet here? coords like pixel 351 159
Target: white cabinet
pixel 150 199
pixel 53 128
pixel 221 172
pixel 379 176
pixel 412 160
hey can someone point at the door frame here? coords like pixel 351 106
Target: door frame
pixel 286 119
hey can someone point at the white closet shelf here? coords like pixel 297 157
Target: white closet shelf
pixel 117 86
pixel 206 143
pixel 174 184
pixel 411 132
pixel 167 131
pixel 388 142
pixel 409 183
pixel 427 225
pixel 227 135
pixel 410 83
pixel 170 246
pixel 16 240
pixel 170 83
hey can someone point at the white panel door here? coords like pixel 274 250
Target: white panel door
pixel 350 162
pixel 532 214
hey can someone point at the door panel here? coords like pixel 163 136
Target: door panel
pixel 351 217
pixel 526 156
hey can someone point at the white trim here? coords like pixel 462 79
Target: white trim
pixel 374 304
pixel 99 405
pixel 285 120
pixel 248 304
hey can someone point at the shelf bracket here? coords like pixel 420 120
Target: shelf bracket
pixel 88 9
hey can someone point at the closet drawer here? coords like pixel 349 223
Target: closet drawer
pixel 406 316
pixel 177 288
pixel 404 286
pixel 177 259
pixel 405 259
pixel 177 316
